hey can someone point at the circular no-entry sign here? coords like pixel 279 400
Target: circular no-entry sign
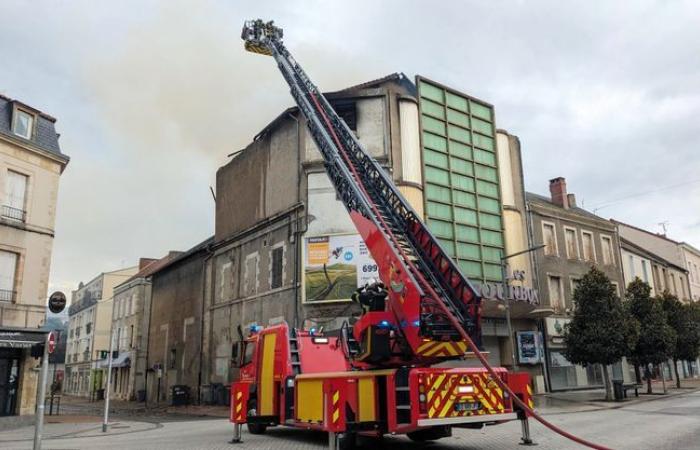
pixel 52 342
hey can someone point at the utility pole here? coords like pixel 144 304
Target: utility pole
pixel 109 382
pixel 506 298
pixel 39 425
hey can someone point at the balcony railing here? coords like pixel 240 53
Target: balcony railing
pixel 13 213
pixel 7 295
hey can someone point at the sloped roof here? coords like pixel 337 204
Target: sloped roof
pixel 397 77
pixel 530 196
pixel 45 137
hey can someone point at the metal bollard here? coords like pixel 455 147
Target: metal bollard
pixel 526 439
pixel 236 434
pixel 332 441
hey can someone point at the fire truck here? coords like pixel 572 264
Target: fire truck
pixel 382 374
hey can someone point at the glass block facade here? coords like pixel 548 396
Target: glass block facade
pixel 460 177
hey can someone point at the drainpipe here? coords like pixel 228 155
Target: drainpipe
pixel 297 231
pixel 207 258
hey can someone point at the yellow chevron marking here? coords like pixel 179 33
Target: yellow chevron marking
pixel 336 415
pixel 432 390
pixel 239 407
pixel 239 395
pixel 448 405
pixel 434 350
pixel 336 397
pixel 424 346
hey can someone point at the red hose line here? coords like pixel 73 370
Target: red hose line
pixel 452 319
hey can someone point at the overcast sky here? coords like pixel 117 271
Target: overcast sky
pixel 150 97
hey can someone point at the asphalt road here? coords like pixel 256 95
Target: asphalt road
pixel 665 423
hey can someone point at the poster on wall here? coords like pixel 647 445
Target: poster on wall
pixel 335 266
pixel 529 347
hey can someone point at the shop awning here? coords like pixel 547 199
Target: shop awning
pixel 21 338
pixel 122 360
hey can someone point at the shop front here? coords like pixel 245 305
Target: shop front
pixel 18 380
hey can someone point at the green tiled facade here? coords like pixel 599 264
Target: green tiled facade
pixel 460 178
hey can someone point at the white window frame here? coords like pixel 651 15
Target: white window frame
pixel 562 301
pixel 566 243
pixel 544 238
pixel 246 279
pixel 14 282
pixel 32 124
pixel 583 246
pixel 603 238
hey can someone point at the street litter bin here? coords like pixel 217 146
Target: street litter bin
pixel 618 390
pixel 141 395
pixel 100 394
pixel 180 395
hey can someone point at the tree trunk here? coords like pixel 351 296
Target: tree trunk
pixel 638 374
pixel 678 378
pixel 647 372
pixel 663 376
pixel 608 383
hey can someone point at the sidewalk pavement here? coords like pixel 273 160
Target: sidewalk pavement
pixel 592 400
pixel 81 406
pixel 75 427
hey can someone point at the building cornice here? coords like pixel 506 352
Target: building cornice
pixel 62 160
pixel 545 210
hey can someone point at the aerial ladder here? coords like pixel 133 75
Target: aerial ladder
pixel 378 376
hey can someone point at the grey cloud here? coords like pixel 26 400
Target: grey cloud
pixel 151 96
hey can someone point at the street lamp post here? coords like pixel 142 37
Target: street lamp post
pixel 506 299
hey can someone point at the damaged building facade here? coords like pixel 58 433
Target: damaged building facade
pixel 284 245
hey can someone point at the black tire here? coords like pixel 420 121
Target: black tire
pixel 255 428
pixel 429 434
pixel 346 441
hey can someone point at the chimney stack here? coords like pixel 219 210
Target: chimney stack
pixel 557 188
pixel 572 200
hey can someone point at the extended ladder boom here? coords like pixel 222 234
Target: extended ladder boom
pixel 427 292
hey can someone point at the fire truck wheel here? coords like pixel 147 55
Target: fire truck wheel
pixel 255 428
pixel 429 434
pixel 346 441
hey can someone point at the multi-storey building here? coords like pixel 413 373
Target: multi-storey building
pixel 575 240
pixel 691 256
pixel 286 249
pixel 668 270
pixel 31 163
pixel 130 323
pixel 89 327
pixel 174 353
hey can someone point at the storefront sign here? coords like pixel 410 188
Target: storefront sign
pixel 335 266
pixel 529 347
pixel 555 326
pixel 494 291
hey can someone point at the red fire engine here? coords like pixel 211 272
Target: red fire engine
pixel 377 376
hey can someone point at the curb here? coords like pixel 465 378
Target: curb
pixel 621 405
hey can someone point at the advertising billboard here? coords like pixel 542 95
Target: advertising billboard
pixel 335 266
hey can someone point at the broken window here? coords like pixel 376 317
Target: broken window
pixel 347 111
pixel 277 268
pixel 550 239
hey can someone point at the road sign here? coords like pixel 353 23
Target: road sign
pixel 52 342
pixel 57 302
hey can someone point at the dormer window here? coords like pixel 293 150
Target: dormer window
pixel 23 124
